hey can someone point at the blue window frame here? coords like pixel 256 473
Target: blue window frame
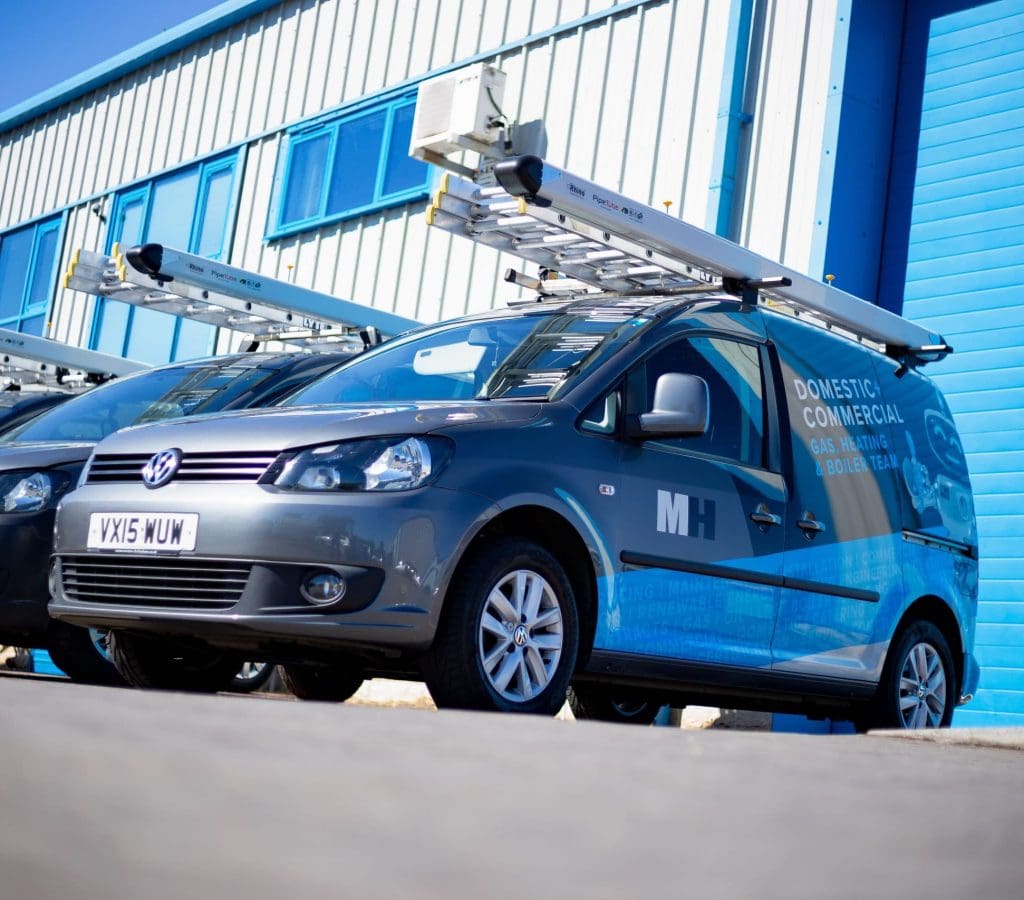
pixel 189 209
pixel 350 165
pixel 29 259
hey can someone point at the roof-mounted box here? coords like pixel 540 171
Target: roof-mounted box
pixel 458 111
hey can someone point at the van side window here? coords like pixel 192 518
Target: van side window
pixel 736 387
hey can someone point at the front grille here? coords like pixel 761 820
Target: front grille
pixel 145 581
pixel 107 468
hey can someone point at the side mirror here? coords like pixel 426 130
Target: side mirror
pixel 681 406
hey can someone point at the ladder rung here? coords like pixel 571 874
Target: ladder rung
pixel 496 206
pixel 481 225
pixel 547 242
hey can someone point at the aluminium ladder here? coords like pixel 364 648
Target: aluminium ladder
pixel 29 360
pixel 153 276
pixel 570 225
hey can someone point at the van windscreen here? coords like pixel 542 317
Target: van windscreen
pixel 520 357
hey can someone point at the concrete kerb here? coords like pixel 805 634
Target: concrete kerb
pixel 994 738
pixel 383 692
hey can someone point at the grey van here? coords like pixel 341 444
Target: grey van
pixel 647 499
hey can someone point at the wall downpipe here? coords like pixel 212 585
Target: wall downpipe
pixel 739 89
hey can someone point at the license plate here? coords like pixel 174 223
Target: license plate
pixel 135 531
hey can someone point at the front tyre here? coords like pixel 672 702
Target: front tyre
pixel 509 632
pixel 612 704
pixel 919 684
pixel 81 654
pixel 146 662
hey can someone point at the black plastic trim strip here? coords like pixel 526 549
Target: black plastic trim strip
pixel 835 590
pixel 939 543
pixel 647 561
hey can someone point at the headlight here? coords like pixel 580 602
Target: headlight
pixel 32 491
pixel 380 464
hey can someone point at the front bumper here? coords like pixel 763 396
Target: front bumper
pixel 395 551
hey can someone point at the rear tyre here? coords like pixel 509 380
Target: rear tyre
pixel 329 684
pixel 509 632
pixel 146 662
pixel 919 682
pixel 612 704
pixel 81 654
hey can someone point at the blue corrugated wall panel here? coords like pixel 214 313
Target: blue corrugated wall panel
pixel 965 279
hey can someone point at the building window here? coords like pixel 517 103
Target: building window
pixel 190 210
pixel 348 166
pixel 29 259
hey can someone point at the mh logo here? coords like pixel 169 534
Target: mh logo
pixel 685 515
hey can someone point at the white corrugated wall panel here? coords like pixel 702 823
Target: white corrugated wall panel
pixel 35 188
pixel 359 54
pixel 319 67
pixel 631 100
pixel 133 139
pixel 809 138
pixel 61 135
pixel 286 63
pixel 216 87
pixel 645 111
pixel 652 60
pixel 248 53
pixel 788 128
pixel 284 101
pixel 14 181
pixel 72 311
pixel 696 164
pixel 248 249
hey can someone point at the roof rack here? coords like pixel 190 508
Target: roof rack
pixel 183 284
pixel 574 226
pixel 29 360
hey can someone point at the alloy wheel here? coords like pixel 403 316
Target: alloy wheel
pixel 923 688
pixel 520 635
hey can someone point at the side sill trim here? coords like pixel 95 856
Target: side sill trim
pixel 718 675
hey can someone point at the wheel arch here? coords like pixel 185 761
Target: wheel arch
pixel 559 536
pixel 931 608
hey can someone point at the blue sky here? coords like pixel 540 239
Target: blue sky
pixel 45 42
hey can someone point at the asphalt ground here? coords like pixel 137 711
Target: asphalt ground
pixel 120 793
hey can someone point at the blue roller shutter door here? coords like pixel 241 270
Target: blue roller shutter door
pixel 965 279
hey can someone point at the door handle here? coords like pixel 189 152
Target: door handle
pixel 764 517
pixel 809 525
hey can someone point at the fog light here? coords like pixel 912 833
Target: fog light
pixel 323 588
